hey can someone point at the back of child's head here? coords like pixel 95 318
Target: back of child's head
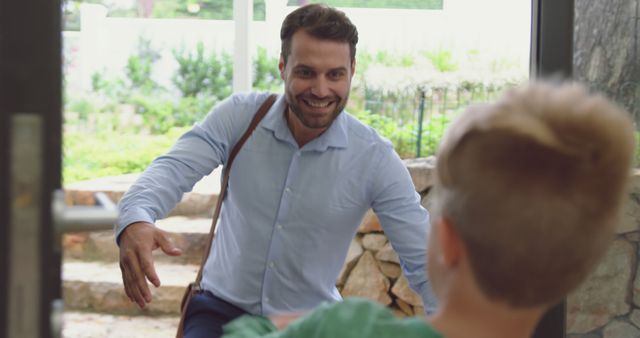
pixel 533 185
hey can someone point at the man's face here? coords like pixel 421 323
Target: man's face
pixel 317 79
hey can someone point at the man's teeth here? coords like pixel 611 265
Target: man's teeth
pixel 317 104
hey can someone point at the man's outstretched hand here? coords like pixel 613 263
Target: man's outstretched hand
pixel 137 242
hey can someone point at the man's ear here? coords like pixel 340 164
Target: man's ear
pixel 450 243
pixel 281 67
pixel 353 67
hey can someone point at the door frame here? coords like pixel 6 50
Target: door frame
pixel 552 24
pixel 31 84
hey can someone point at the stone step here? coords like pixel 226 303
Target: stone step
pixel 96 325
pixel 187 233
pixel 199 202
pixel 97 287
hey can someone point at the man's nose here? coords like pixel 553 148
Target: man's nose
pixel 320 87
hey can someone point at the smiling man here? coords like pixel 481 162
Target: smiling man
pixel 317 75
pixel 298 190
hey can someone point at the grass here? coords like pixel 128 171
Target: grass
pixel 93 155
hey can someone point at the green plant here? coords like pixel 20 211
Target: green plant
pixel 388 59
pixel 192 109
pixel 139 67
pixel 266 73
pixel 158 115
pixel 402 136
pixel 414 4
pixel 201 75
pixel 432 132
pixel 442 60
pixel 111 89
pixel 92 155
pixel 83 106
pixel 203 9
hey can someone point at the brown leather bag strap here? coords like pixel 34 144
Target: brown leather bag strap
pixel 262 112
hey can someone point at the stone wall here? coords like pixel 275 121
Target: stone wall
pixel 372 268
pixel 606 305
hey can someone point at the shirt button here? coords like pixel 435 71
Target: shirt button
pixel 266 299
pixel 272 264
pixel 279 226
pixel 287 190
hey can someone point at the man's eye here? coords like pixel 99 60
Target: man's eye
pixel 303 73
pixel 336 75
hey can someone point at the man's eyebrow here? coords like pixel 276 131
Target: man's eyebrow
pixel 303 66
pixel 340 69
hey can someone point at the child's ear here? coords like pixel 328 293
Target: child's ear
pixel 450 243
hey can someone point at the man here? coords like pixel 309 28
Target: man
pixel 297 192
pixel 517 181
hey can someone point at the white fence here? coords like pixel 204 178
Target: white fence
pixel 495 29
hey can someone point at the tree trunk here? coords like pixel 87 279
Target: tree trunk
pixel 606 55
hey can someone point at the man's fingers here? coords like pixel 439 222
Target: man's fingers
pixel 125 281
pixel 137 243
pixel 130 283
pixel 146 266
pixel 137 278
pixel 166 245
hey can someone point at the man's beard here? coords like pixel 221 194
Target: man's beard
pixel 309 122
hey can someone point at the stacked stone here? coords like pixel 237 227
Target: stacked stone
pixel 372 268
pixel 607 304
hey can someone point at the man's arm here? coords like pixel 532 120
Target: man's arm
pixel 404 220
pixel 161 186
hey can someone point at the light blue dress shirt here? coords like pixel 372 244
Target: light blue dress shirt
pixel 290 213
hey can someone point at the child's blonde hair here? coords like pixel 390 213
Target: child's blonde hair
pixel 533 184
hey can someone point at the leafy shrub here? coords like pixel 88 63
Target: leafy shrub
pixel 191 109
pixel 83 106
pixel 158 115
pixel 432 132
pixel 203 74
pixel 402 136
pixel 442 60
pixel 109 88
pixel 139 67
pixel 88 156
pixel 266 75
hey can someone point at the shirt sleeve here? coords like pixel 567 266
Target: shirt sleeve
pixel 404 220
pixel 196 154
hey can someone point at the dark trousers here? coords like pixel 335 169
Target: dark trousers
pixel 206 314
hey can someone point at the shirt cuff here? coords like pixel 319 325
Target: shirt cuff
pixel 131 216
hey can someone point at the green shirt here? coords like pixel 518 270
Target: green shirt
pixel 351 318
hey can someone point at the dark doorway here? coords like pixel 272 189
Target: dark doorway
pixel 30 163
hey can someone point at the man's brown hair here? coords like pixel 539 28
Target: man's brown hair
pixel 320 21
pixel 533 185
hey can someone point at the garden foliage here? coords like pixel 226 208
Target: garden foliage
pixel 389 93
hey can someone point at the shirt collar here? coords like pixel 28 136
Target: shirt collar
pixel 335 136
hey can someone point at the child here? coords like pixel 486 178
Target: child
pixel 526 199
